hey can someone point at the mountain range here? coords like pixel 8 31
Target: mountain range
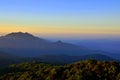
pixel 26 45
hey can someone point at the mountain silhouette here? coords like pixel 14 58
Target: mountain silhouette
pixel 65 59
pixel 6 58
pixel 4 55
pixel 27 45
pixel 20 35
pixel 18 47
pixel 21 40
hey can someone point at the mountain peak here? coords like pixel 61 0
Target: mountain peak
pixel 59 41
pixel 19 34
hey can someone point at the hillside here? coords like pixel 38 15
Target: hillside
pixel 65 59
pixel 84 70
pixel 6 58
pixel 4 55
pixel 28 45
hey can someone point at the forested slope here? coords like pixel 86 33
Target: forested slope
pixel 83 70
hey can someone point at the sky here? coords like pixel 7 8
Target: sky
pixel 61 18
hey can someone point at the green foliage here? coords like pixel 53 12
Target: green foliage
pixel 84 70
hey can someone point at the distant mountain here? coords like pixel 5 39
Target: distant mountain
pixel 4 55
pixel 97 57
pixel 27 45
pixel 21 40
pixel 109 45
pixel 20 47
pixel 6 58
pixel 65 59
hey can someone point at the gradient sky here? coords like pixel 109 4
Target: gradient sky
pixel 64 18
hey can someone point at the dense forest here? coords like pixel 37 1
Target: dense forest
pixel 83 70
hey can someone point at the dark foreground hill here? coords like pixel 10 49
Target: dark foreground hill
pixel 84 70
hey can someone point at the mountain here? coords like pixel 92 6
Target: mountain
pixel 21 40
pixel 110 45
pixel 4 55
pixel 27 45
pixel 65 59
pixel 100 57
pixel 6 58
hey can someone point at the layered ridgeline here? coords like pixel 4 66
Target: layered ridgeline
pixel 84 70
pixel 6 58
pixel 26 45
pixel 111 45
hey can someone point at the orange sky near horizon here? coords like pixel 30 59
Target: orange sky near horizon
pixel 59 30
pixel 63 32
pixel 65 18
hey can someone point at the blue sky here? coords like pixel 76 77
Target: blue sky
pixel 77 16
pixel 61 6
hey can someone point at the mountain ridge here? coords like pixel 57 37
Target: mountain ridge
pixel 21 43
pixel 27 45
